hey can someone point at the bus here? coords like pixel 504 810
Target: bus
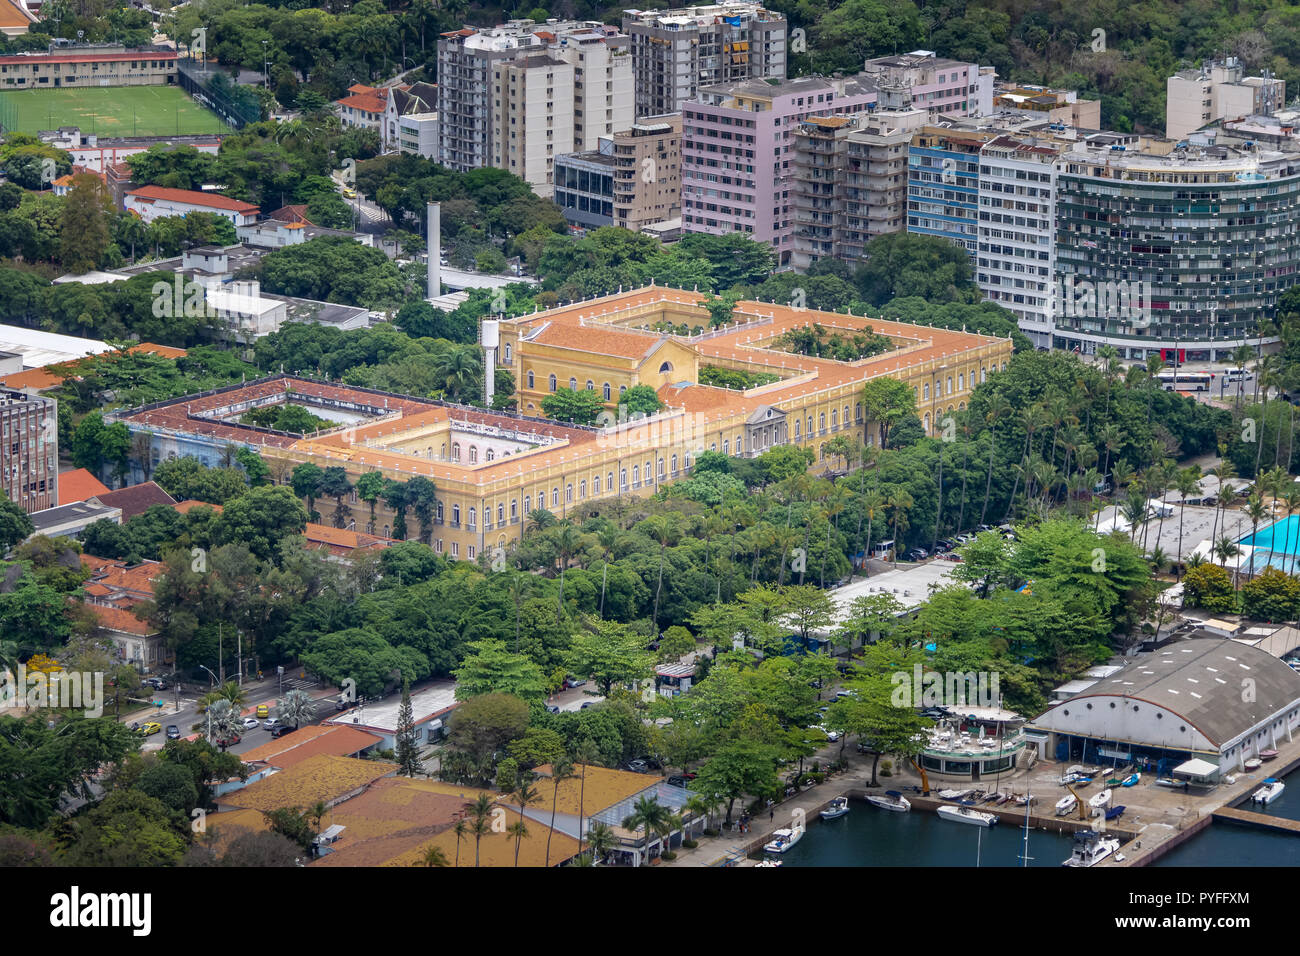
pixel 1186 381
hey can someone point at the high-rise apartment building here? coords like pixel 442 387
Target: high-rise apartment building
pixel 29 449
pixel 648 172
pixel 1016 261
pixel 1218 90
pixel 1175 250
pixel 675 53
pixel 532 116
pixel 849 183
pixel 943 183
pixel 736 152
pixel 937 84
pixel 601 58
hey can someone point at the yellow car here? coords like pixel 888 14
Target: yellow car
pixel 153 727
pixel 349 192
pixel 263 710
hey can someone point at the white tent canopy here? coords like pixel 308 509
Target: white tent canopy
pixel 1197 768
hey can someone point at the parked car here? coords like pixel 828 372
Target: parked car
pixel 157 683
pixel 638 766
pixel 586 704
pixel 572 682
pixel 917 554
pixel 680 779
pixel 151 728
pixel 173 732
pixel 251 723
pixel 271 723
pixel 831 735
pixel 228 741
pixel 846 693
pixel 943 544
pixel 263 710
pixel 552 708
pixel 281 729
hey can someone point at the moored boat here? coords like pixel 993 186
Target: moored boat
pixel 954 794
pixel 1271 790
pixel 1066 804
pixel 783 839
pixel 892 800
pixel 1098 802
pixel 836 809
pixel 1090 848
pixel 967 815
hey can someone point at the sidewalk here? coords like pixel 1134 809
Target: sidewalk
pixel 713 851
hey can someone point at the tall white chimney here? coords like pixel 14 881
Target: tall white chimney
pixel 434 246
pixel 489 335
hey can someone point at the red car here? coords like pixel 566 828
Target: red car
pixel 228 741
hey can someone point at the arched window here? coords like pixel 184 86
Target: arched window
pixel 622 478
pixel 428 452
pixel 472 516
pixel 606 391
pixel 845 419
pixel 438 519
pixel 591 386
pixel 949 392
pixel 674 464
pixel 501 513
pixel 573 384
pixel 609 482
pixel 530 378
pixel 455 515
pixel 713 446
pixel 961 382
pixel 455 451
pixel 473 454
pixel 622 389
pixel 665 368
pixel 796 429
pixel 551 381
pixel 487 516
pixel 927 391
pixel 927 421
pixel 595 484
pixel 821 421
pixel 582 489
pixel 636 474
pixel 387 531
pixel 528 504
pixel 507 353
pixel 835 419
pixel 491 454
pixel 726 447
pixel 857 411
pixel 514 508
pixel 568 494
pixel 661 469
pixel 555 497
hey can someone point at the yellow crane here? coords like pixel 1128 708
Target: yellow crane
pixel 1083 812
pixel 925 781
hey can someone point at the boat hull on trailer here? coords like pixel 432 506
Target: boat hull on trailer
pixel 1066 804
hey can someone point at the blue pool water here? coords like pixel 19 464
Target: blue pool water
pixel 1278 545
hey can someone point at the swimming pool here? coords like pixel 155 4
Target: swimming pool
pixel 1277 545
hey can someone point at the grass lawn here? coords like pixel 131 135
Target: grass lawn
pixel 108 111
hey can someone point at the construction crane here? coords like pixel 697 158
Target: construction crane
pixel 1083 812
pixel 925 781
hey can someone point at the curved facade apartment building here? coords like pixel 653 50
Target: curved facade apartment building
pixel 1172 249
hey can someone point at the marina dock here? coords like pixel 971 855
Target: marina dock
pixel 1280 824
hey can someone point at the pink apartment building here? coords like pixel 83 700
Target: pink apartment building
pixel 937 83
pixel 736 152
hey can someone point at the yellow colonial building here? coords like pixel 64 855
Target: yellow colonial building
pixel 492 469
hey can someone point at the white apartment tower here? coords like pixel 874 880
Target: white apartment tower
pixel 601 58
pixel 532 119
pixel 1218 90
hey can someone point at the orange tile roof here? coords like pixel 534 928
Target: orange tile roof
pixel 117 619
pixel 194 198
pixel 599 341
pixel 308 742
pixel 322 778
pixel 341 539
pixel 37 379
pixel 78 485
pixel 165 351
pixel 365 102
pixel 185 507
pixel 118 577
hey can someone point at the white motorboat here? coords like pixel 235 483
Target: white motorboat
pixel 1070 778
pixel 1090 848
pixel 836 809
pixel 892 800
pixel 1271 790
pixel 1099 801
pixel 783 839
pixel 1066 804
pixel 769 863
pixel 954 794
pixel 1254 763
pixel 967 815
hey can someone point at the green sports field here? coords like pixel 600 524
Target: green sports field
pixel 108 111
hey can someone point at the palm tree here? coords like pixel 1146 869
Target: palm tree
pixel 702 805
pixel 899 502
pixel 230 692
pixel 433 856
pixel 1240 356
pixel 784 540
pixel 518 830
pixel 872 502
pixel 585 754
pixel 480 810
pixel 1292 499
pixel 600 841
pixel 561 770
pixel 1224 549
pixel 649 816
pixel 606 537
pixel 665 529
pixel 461 828
pixel 524 794
pixel 460 370
pixel 295 707
pixel 1188 483
pixel 837 499
pixel 224 720
pixel 1223 471
pixel 566 540
pixel 999 406
pixel 1255 511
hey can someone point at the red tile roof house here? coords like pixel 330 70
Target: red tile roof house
pixel 78 485
pixel 154 202
pixel 136 499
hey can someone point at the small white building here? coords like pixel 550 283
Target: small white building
pixel 156 202
pixel 430 707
